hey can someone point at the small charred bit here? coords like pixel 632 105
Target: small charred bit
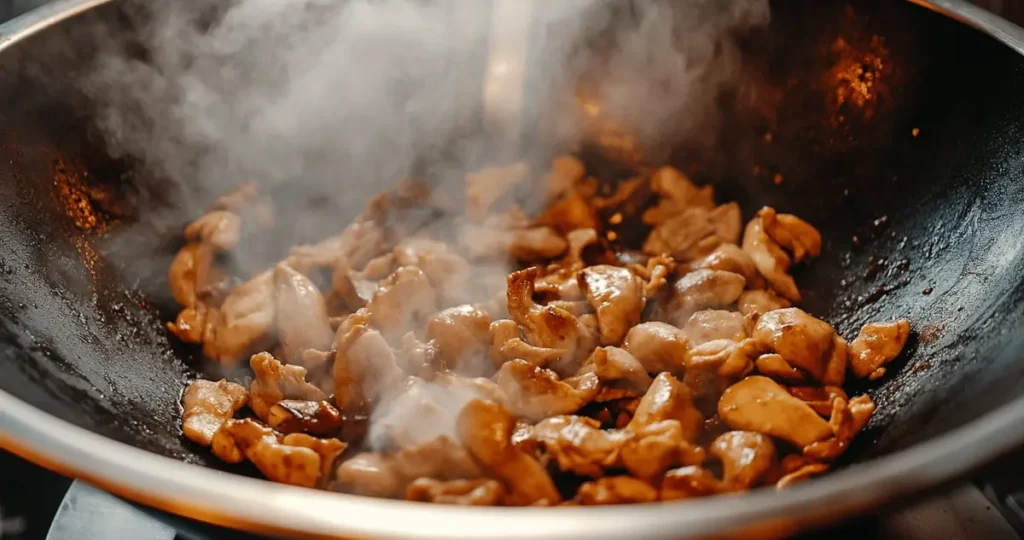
pixel 760 405
pixel 616 490
pixel 479 492
pixel 275 382
pixel 803 341
pixel 296 416
pixel 746 457
pixel 486 428
pixel 207 405
pixel 702 289
pixel 688 482
pixel 876 345
pixel 658 346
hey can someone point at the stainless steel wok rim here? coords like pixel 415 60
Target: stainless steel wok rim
pixel 258 505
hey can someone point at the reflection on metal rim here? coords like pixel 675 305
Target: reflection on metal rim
pixel 265 507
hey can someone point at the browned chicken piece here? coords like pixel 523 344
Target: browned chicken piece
pixel 760 302
pixel 835 369
pixel 569 212
pixel 357 244
pixel 801 474
pixel 538 356
pixel 403 301
pixel 688 235
pixel 576 308
pixel 477 387
pixel 207 405
pixel 546 326
pixel 301 314
pixel 818 398
pixel 668 399
pixel 296 465
pixel 792 233
pixel 724 357
pixel 565 172
pixel 775 366
pixel 746 457
pixel 769 258
pixel 658 346
pixel 616 490
pixel 486 187
pixel 299 416
pixel 537 393
pixel 190 324
pixel 461 334
pixel 327 449
pixel 688 482
pixel 759 404
pixel 617 295
pixel 220 229
pixel 730 258
pixel 702 289
pixel 369 473
pixel 349 287
pixel 364 367
pixel 560 279
pixel 876 345
pixel 657 447
pixel 535 243
pixel 728 222
pixel 802 340
pixel 677 194
pixel 275 381
pixel 446 270
pixel 711 324
pixel 485 428
pixel 479 492
pixel 616 366
pixel 244 322
pixel 578 444
pixel 848 419
pixel 501 332
pixel 441 457
pixel 184 270
pixel 417 358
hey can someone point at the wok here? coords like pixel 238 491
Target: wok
pixel 918 189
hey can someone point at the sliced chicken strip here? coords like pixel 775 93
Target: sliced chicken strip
pixel 500 332
pixel 668 399
pixel 275 381
pixel 404 300
pixel 759 404
pixel 776 367
pixel 658 346
pixel 688 482
pixel 657 447
pixel 328 449
pixel 747 457
pixel 279 462
pixel 803 341
pixel 461 334
pixel 480 492
pixel 677 194
pixel 730 258
pixel 711 324
pixel 537 393
pixel 370 474
pixel 687 235
pixel 616 490
pixel 220 228
pixel 728 222
pixel 538 356
pixel 617 295
pixel 792 233
pixel 760 302
pixel 485 428
pixel 302 321
pixel 612 364
pixel 244 322
pixel 207 405
pixel 876 345
pixel 535 243
pixel 578 444
pixel 364 367
pixel 546 326
pixel 702 289
pixel 301 416
pixel 486 187
pixel 769 258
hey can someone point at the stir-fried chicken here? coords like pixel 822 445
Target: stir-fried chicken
pixel 876 345
pixel 207 405
pixel 607 369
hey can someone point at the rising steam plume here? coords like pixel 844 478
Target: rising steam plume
pixel 330 101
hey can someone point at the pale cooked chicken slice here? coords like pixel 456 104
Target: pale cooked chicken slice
pixel 731 258
pixel 486 187
pixel 565 172
pixel 728 222
pixel 668 399
pixel 688 235
pixel 617 295
pixel 302 321
pixel 760 302
pixel 479 492
pixel 535 243
pixel 485 428
pixel 759 404
pixel 711 324
pixel 848 418
pixel 296 465
pixel 747 457
pixel 349 287
pixel 658 346
pixel 220 229
pixel 699 290
pixel 538 356
pixel 769 258
pixel 190 272
pixel 462 336
pixel 792 233
pixel 369 473
pixel 244 322
pixel 275 381
pixel 835 369
pixel 364 367
pixel 775 366
pixel 657 447
pixel 403 301
pixel 724 357
pixel 446 270
pixel 500 332
pixel 803 473
pixel 546 326
pixel 302 416
pixel 616 490
pixel 357 244
pixel 328 449
pixel 688 482
pixel 207 405
pixel 569 212
pixel 537 393
pixel 560 279
pixel 578 444
pixel 190 324
pixel 417 358
pixel 677 194
pixel 441 457
pixel 803 341
pixel 615 365
pixel 876 345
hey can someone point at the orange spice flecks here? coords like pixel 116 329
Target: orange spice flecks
pixel 73 196
pixel 858 77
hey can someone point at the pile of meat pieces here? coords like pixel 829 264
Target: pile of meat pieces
pixel 679 371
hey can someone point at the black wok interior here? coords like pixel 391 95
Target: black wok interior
pixel 928 176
